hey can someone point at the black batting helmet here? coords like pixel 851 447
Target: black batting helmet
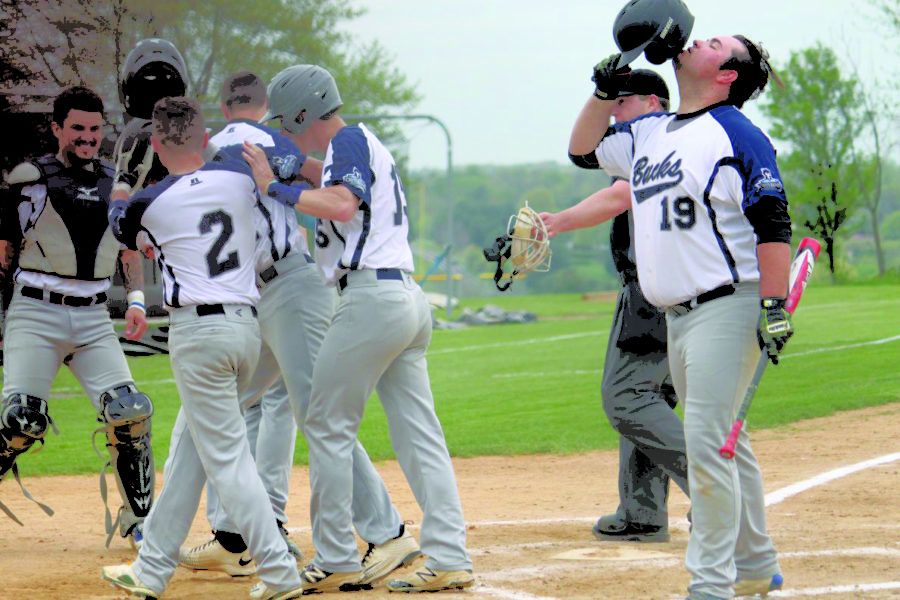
pixel 154 69
pixel 659 28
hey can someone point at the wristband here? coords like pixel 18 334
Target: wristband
pixel 136 299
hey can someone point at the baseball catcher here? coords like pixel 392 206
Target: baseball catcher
pixel 526 244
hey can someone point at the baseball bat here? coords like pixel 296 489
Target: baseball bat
pixel 801 270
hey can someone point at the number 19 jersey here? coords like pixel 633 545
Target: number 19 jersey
pixel 202 225
pixel 377 235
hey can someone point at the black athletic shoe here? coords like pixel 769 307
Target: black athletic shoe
pixel 609 530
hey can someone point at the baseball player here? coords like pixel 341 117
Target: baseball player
pixel 55 211
pixel 637 392
pixel 712 246
pixel 295 310
pixel 200 222
pixel 377 339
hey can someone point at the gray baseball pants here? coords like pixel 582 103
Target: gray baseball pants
pixel 651 446
pixel 712 353
pixel 213 358
pixel 377 341
pixel 295 310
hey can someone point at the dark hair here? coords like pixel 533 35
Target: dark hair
pixel 76 97
pixel 178 121
pixel 243 88
pixel 753 70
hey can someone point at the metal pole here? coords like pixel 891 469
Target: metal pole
pixel 439 123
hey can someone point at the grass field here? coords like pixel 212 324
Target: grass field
pixel 534 388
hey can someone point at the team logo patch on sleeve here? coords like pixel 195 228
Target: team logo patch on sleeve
pixel 286 165
pixel 768 183
pixel 355 180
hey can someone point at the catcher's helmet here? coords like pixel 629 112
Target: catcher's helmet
pixel 154 69
pixel 659 28
pixel 300 95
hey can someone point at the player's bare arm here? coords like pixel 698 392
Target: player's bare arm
pixel 591 124
pixel 133 281
pixel 599 207
pixel 774 269
pixel 336 203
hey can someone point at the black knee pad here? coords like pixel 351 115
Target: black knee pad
pixel 23 421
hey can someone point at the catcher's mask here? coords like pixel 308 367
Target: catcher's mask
pixel 526 244
pixel 154 69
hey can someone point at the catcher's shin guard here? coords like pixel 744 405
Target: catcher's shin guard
pixel 126 414
pixel 23 421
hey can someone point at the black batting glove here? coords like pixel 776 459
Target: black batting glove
pixel 775 327
pixel 609 78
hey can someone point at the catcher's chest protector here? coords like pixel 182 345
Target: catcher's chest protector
pixel 68 234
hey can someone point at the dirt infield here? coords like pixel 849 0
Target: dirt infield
pixel 529 524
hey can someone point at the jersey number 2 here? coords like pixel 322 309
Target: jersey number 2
pixel 217 267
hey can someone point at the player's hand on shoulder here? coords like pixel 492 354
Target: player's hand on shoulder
pixel 775 327
pixel 259 163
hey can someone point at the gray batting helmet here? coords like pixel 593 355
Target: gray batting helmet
pixel 300 95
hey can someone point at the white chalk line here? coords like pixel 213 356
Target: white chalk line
pixel 837 589
pixel 509 594
pixel 578 372
pixel 801 486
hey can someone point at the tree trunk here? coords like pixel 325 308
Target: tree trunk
pixel 879 253
pixel 829 250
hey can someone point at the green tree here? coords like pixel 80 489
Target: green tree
pixel 61 43
pixel 820 113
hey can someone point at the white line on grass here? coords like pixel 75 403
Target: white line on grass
pixel 843 347
pixel 555 338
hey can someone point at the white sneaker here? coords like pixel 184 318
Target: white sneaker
pixel 260 591
pixel 123 577
pixel 432 581
pixel 315 580
pixel 380 561
pixel 211 556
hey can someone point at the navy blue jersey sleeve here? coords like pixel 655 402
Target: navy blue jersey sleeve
pixel 350 163
pixel 285 158
pixel 764 202
pixel 125 217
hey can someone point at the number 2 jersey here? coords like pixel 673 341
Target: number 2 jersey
pixel 377 235
pixel 202 227
pixel 705 190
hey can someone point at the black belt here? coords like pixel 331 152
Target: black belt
pixel 395 274
pixel 689 305
pixel 57 298
pixel 204 310
pixel 271 273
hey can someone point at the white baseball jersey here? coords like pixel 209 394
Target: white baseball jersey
pixel 202 227
pixel 277 225
pixel 692 176
pixel 377 235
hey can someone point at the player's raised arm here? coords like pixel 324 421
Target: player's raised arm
pixel 594 118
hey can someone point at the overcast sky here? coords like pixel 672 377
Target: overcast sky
pixel 508 77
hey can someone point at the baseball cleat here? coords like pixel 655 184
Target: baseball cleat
pixel 315 580
pixel 608 529
pixel 123 577
pixel 380 561
pixel 211 556
pixel 761 587
pixel 261 592
pixel 432 581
